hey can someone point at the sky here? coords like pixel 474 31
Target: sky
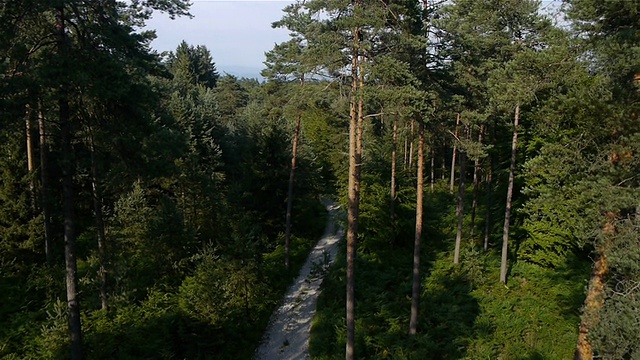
pixel 236 32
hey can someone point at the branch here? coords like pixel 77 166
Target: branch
pixel 625 180
pixel 454 135
pixel 373 115
pixel 627 292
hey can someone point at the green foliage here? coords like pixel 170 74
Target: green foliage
pixel 192 65
pixel 615 336
pixel 187 173
pixel 464 313
pixel 190 171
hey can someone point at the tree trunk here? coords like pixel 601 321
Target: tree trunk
pixel 68 167
pixel 453 156
pixel 476 174
pixel 443 169
pixel 294 159
pixel 393 174
pixel 30 159
pixel 247 306
pixel 101 234
pixel 411 145
pixel 406 151
pixel 507 212
pixel 433 171
pixel 460 207
pixel 487 214
pixel 44 187
pixel 415 289
pixel 354 199
pixel 360 116
pixel 487 217
pixel 595 294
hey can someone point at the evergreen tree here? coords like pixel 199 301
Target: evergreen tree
pixel 193 65
pixel 610 36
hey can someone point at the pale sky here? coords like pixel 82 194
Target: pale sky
pixel 237 32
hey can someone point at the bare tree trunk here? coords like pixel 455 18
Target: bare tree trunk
pixel 460 207
pixel 360 116
pixel 443 165
pixel 415 289
pixel 507 212
pixel 354 199
pixel 453 157
pixel 30 159
pixel 294 159
pixel 487 215
pixel 101 234
pixel 488 204
pixel 411 146
pixel 75 327
pixel 476 174
pixel 393 173
pixel 433 171
pixel 44 186
pixel 405 154
pixel 68 167
pixel 247 306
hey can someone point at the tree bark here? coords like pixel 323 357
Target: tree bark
pixel 443 165
pixel 432 179
pixel 507 212
pixel 487 214
pixel 415 289
pixel 68 167
pixel 453 157
pixel 30 159
pixel 360 115
pixel 294 160
pixel 353 206
pixel 405 161
pixel 393 173
pixel 411 145
pixel 100 228
pixel 460 207
pixel 44 186
pixel 476 174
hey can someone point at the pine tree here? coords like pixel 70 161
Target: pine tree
pixel 287 61
pixel 610 31
pixel 415 288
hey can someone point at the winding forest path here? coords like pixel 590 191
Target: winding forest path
pixel 287 336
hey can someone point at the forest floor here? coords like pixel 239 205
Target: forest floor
pixel 287 336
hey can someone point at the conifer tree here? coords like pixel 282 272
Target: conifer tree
pixel 415 288
pixel 608 31
pixel 349 45
pixel 285 61
pixel 483 37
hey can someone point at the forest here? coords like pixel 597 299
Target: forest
pixel 485 154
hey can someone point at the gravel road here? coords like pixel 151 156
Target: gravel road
pixel 287 336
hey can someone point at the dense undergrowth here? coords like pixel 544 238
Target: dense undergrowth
pixel 203 318
pixel 215 304
pixel 465 312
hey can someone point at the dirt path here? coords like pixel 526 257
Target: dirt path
pixel 287 336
